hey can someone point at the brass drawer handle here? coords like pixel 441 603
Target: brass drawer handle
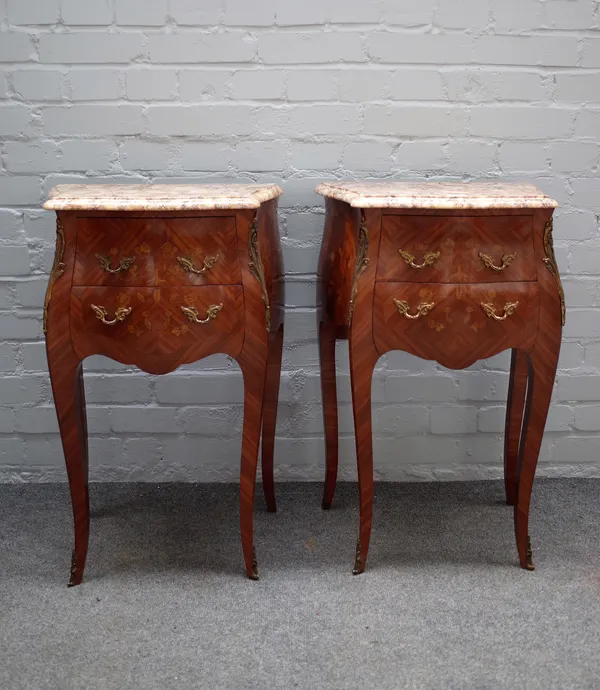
pixel 194 317
pixel 188 264
pixel 124 264
pixel 404 309
pixel 120 315
pixel 509 309
pixel 429 258
pixel 488 262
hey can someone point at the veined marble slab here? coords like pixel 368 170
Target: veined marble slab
pixel 159 197
pixel 444 195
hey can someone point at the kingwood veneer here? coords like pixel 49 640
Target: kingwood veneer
pixel 160 276
pixel 447 272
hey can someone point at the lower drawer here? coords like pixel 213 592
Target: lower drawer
pixel 157 329
pixel 455 324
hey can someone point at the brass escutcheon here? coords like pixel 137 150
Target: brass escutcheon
pixel 488 261
pixel 429 258
pixel 106 263
pixel 490 310
pixel 422 309
pixel 187 264
pixel 194 316
pixel 120 314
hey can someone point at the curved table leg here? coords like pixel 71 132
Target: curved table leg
pixel 362 363
pixel 269 422
pixel 330 413
pixel 66 374
pixel 543 362
pixel 517 387
pixel 253 363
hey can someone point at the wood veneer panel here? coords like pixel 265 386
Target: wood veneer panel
pixel 156 246
pixel 459 241
pixel 210 243
pixel 456 331
pixel 157 336
pixel 119 239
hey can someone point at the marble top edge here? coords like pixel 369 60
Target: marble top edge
pixel 443 195
pixel 160 197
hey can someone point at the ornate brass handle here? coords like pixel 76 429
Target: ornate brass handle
pixel 429 258
pixel 488 261
pixel 120 314
pixel 194 317
pixel 422 309
pixel 124 264
pixel 188 264
pixel 509 309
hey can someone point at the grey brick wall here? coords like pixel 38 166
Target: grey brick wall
pixel 295 92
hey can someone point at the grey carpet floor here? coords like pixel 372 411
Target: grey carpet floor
pixel 443 603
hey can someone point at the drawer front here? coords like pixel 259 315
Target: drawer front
pixel 157 329
pixel 456 249
pixel 136 252
pixel 199 251
pixel 117 251
pixel 455 324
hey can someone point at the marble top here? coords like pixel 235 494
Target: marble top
pixel 443 195
pixel 159 197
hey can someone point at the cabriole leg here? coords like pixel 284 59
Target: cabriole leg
pixel 270 417
pixel 517 387
pixel 330 413
pixel 66 374
pixel 362 364
pixel 543 361
pixel 253 366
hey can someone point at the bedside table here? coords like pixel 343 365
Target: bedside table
pixel 158 276
pixel 448 272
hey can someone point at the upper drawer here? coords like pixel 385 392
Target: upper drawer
pixel 137 252
pixel 199 251
pixel 117 251
pixel 456 249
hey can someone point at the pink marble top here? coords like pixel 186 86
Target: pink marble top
pixel 443 195
pixel 159 197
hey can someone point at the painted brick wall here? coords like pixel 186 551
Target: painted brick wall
pixel 295 92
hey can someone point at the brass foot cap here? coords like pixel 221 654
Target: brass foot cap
pixel 529 565
pixel 76 571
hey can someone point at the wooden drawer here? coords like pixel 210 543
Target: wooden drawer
pixel 456 249
pixel 137 252
pixel 199 251
pixel 157 329
pixel 117 251
pixel 455 324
